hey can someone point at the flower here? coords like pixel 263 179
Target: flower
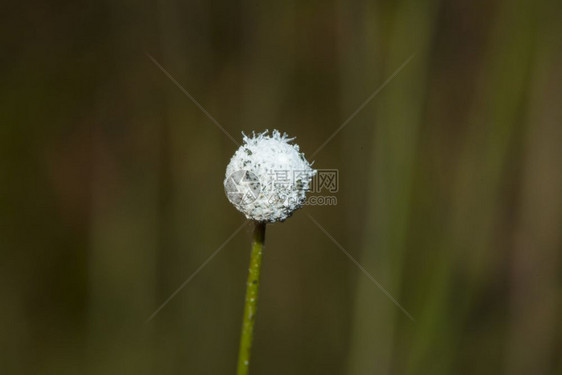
pixel 268 177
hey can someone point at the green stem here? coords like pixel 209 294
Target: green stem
pixel 252 288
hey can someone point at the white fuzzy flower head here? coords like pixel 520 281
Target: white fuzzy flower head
pixel 268 177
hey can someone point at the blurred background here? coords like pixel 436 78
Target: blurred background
pixel 450 186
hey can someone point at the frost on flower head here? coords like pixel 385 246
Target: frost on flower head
pixel 268 177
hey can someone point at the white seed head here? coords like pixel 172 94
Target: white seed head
pixel 268 177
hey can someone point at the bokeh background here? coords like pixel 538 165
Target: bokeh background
pixel 450 189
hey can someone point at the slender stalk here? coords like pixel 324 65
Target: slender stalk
pixel 252 289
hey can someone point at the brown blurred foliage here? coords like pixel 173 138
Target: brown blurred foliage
pixel 450 186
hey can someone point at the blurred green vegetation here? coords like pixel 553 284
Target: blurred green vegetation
pixel 450 186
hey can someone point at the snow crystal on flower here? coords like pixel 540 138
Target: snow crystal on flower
pixel 268 177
